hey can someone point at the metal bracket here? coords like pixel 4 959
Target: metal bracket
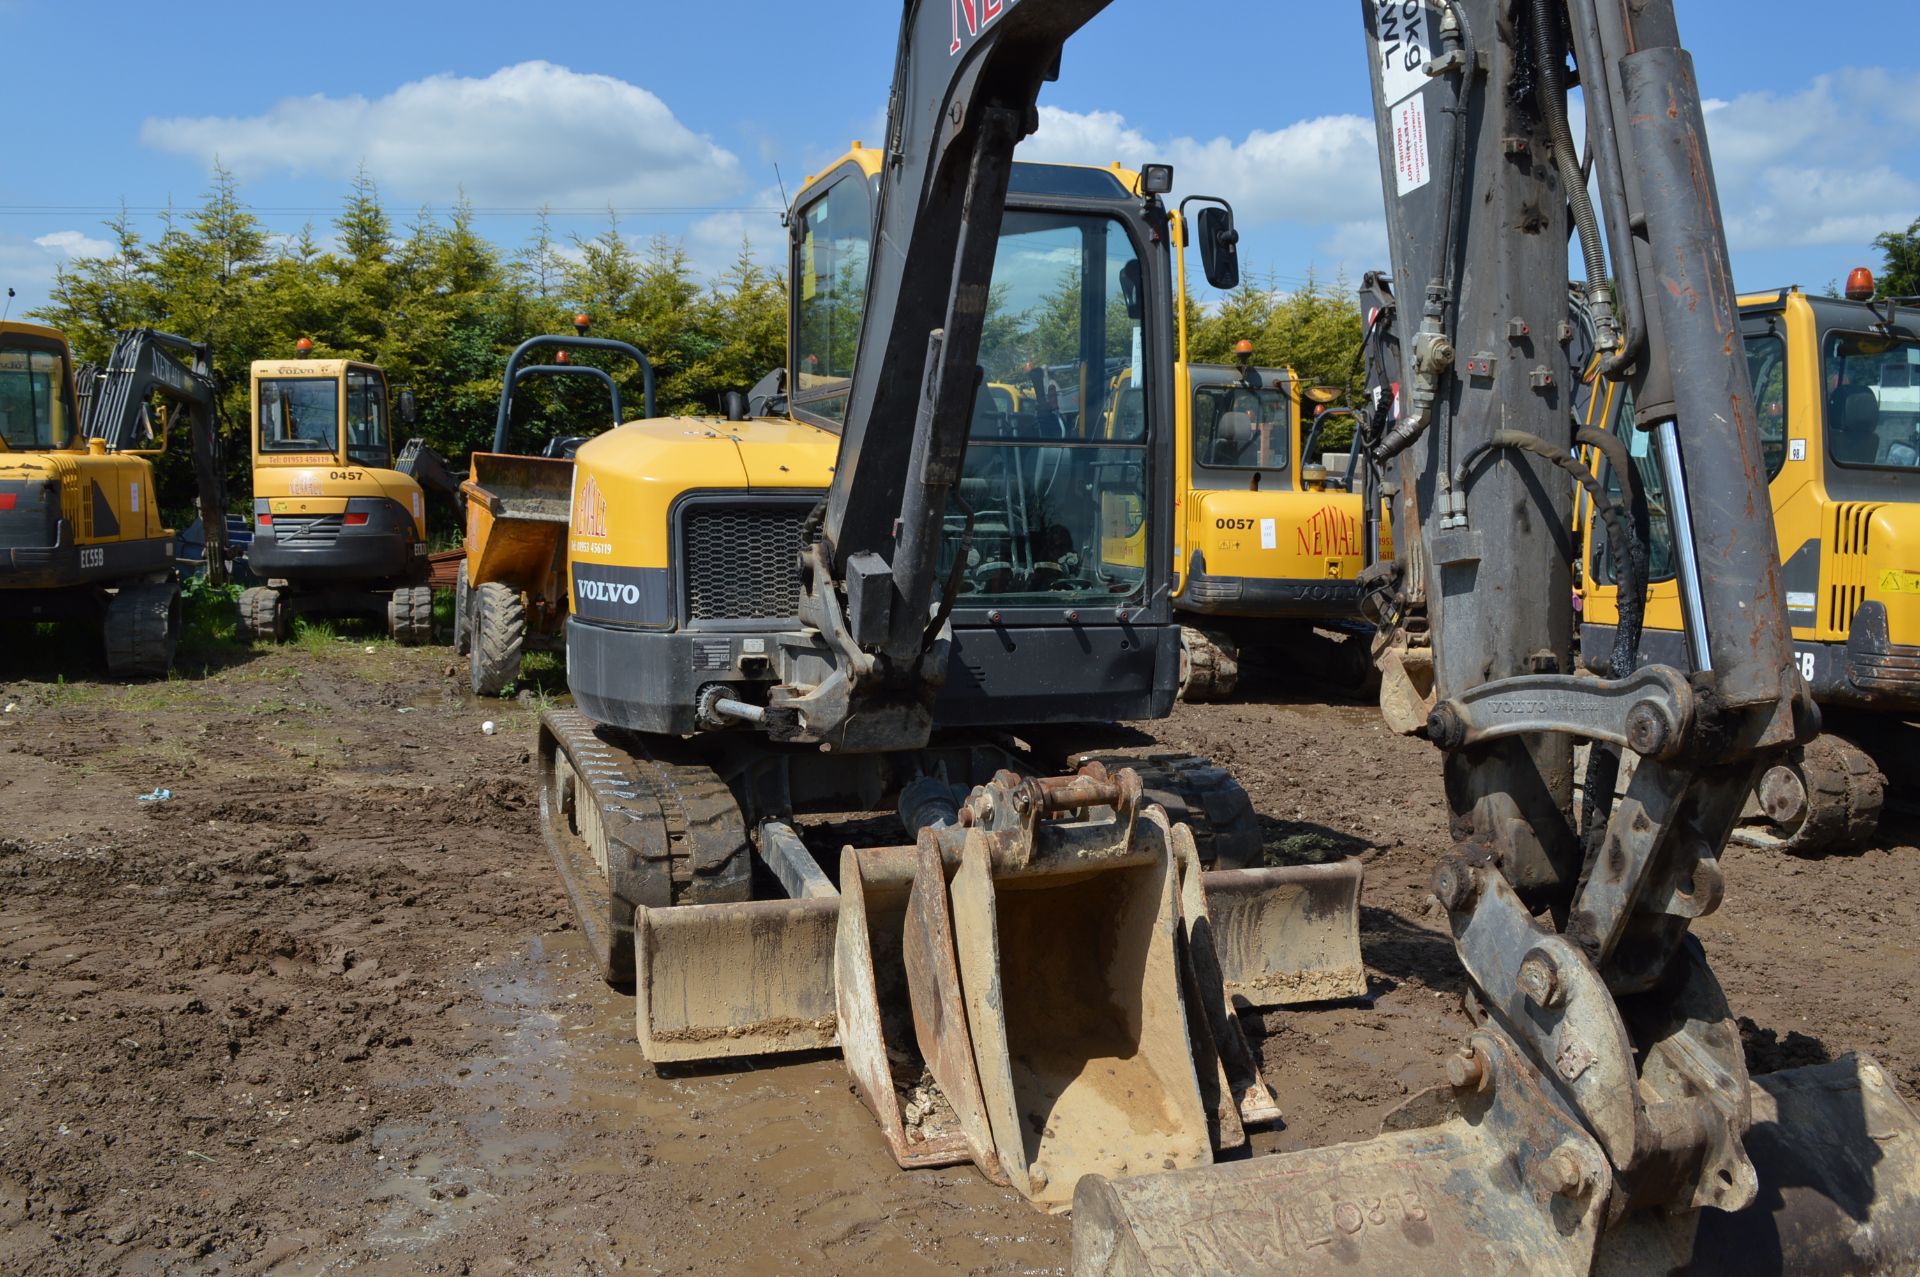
pixel 1649 711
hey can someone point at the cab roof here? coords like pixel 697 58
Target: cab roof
pixel 297 367
pixel 1085 181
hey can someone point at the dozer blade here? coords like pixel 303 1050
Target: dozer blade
pixel 1288 935
pixel 691 1001
pixel 1510 1184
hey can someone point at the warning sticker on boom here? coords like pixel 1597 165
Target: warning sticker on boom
pixel 1410 169
pixel 1401 30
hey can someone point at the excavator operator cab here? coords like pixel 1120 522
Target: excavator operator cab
pixel 334 410
pixel 1069 446
pixel 337 528
pixel 36 391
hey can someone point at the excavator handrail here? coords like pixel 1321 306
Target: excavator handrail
pixel 515 373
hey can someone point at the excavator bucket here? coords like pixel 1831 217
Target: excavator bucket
pixel 1506 1181
pixel 1030 998
pixel 1288 935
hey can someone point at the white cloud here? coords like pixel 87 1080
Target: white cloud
pixel 74 244
pixel 1819 166
pixel 527 135
pixel 713 242
pixel 1320 171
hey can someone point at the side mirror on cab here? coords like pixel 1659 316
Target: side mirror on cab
pixel 408 409
pixel 1219 246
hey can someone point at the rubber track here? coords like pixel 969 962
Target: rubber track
pixel 410 615
pixel 1204 797
pixel 499 630
pixel 656 808
pixel 140 630
pixel 1845 793
pixel 1212 666
pixel 262 615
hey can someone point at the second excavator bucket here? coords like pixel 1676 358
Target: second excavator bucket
pixel 1024 1002
pixel 1507 1182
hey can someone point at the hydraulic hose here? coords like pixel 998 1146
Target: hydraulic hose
pixel 1553 101
pixel 1440 317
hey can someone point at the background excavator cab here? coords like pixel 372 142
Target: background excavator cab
pixel 338 528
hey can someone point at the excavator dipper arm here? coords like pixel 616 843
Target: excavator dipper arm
pixel 146 363
pixel 965 83
pixel 1602 1113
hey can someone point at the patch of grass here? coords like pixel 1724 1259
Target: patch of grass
pixel 316 638
pixel 208 623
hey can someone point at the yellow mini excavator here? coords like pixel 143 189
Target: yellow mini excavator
pixel 1041 980
pixel 81 534
pixel 339 527
pixel 1837 382
pixel 1269 545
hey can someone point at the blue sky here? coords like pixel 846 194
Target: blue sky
pixel 651 106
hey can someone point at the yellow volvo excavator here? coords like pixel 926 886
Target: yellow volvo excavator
pixel 1270 545
pixel 1041 981
pixel 338 526
pixel 1837 382
pixel 82 539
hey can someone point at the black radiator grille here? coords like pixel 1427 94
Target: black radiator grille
pixel 307 529
pixel 742 562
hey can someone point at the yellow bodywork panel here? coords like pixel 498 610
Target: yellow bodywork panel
pixel 627 480
pixel 105 497
pixel 1278 535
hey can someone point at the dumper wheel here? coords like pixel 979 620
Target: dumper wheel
pixel 1838 790
pixel 462 620
pixel 410 615
pixel 498 628
pixel 142 629
pixel 1209 665
pixel 1205 798
pixel 262 616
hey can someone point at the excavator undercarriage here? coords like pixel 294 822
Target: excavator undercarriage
pixel 744 934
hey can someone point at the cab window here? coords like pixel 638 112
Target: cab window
pixel 1646 467
pixel 1237 428
pixel 1872 406
pixel 1767 365
pixel 367 418
pixel 35 411
pixel 1051 506
pixel 299 414
pixel 835 239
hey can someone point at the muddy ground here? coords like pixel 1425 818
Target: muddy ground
pixel 323 1009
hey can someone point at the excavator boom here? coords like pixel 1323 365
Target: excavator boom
pixel 146 363
pixel 1602 1111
